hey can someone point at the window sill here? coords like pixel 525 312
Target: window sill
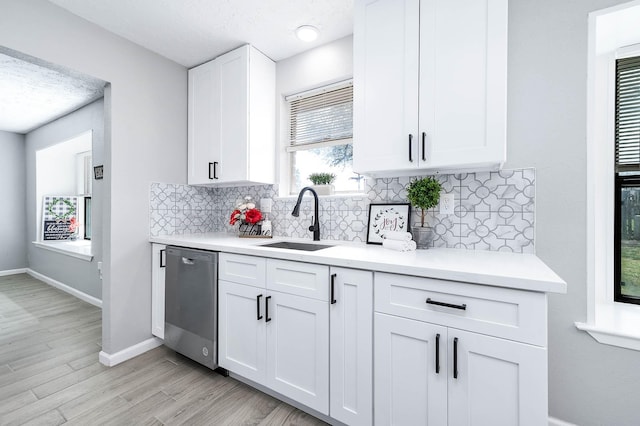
pixel 78 249
pixel 616 324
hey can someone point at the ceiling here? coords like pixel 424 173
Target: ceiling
pixel 34 92
pixel 188 32
pixel 191 32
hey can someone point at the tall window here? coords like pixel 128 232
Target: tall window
pixel 320 137
pixel 627 181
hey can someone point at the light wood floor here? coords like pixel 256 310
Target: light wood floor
pixel 50 374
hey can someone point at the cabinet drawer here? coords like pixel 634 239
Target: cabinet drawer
pixel 237 268
pixel 512 314
pixel 303 279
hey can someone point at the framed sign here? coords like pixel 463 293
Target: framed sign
pixel 98 172
pixel 59 218
pixel 387 217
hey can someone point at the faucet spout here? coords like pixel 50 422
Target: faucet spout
pixel 315 227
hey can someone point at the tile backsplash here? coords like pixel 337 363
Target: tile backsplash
pixel 493 210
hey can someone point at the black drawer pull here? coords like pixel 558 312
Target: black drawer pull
pixel 333 288
pixel 462 307
pixel 163 258
pixel 411 148
pixel 438 353
pixel 259 315
pixel 424 146
pixel 213 166
pixel 455 358
pixel 266 309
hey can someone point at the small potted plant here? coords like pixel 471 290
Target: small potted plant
pixel 322 183
pixel 423 193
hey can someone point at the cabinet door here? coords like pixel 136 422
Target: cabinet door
pixel 499 382
pixel 351 343
pixel 204 124
pixel 233 107
pixel 386 36
pixel 409 388
pixel 241 332
pixel 298 349
pixel 463 78
pixel 158 262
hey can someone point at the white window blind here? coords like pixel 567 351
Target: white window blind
pixel 321 118
pixel 627 119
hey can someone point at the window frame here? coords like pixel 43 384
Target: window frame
pixel 621 181
pixel 290 150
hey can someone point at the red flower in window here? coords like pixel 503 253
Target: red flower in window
pixel 73 225
pixel 253 216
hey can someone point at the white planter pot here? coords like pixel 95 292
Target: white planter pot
pixel 323 189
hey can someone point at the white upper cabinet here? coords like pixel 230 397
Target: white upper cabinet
pixel 232 119
pixel 429 85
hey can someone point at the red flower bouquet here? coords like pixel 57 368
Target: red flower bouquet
pixel 245 212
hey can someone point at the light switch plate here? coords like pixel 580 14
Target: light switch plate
pixel 447 203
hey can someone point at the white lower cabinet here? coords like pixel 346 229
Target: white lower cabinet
pixel 429 371
pixel 276 339
pixel 158 262
pixel 351 343
pixel 297 349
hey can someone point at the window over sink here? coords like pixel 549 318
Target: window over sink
pixel 320 137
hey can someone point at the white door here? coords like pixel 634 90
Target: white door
pixel 386 49
pixel 158 263
pixel 410 372
pixel 351 343
pixel 233 106
pixel 241 330
pixel 203 124
pixel 298 349
pixel 499 382
pixel 463 80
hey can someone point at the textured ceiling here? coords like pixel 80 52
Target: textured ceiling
pixel 191 32
pixel 33 93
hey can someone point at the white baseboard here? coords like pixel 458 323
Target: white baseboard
pixel 557 422
pixel 12 272
pixel 127 353
pixel 72 291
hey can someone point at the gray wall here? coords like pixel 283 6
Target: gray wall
pixel 589 383
pixel 76 273
pixel 145 141
pixel 13 249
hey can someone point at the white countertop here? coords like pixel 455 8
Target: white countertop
pixel 519 271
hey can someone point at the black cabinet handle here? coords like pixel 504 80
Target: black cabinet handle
pixel 424 146
pixel 266 309
pixel 163 257
pixel 438 353
pixel 333 289
pixel 462 307
pixel 455 357
pixel 213 166
pixel 258 307
pixel 410 147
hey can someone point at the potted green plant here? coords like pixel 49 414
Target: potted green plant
pixel 322 183
pixel 423 193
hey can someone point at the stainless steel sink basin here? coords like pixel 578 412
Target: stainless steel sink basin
pixel 296 246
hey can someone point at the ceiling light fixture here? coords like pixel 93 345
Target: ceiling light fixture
pixel 307 33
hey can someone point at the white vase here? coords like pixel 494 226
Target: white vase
pixel 323 189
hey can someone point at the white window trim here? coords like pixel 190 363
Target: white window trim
pixel 609 322
pixel 80 249
pixel 286 164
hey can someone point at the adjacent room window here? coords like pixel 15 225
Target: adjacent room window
pixel 627 181
pixel 320 137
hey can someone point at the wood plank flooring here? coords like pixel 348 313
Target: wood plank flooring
pixel 50 374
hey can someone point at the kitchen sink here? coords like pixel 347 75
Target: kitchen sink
pixel 296 246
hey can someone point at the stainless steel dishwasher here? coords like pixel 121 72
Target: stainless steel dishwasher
pixel 191 304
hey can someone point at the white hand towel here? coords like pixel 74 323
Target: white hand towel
pixel 397 235
pixel 399 245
